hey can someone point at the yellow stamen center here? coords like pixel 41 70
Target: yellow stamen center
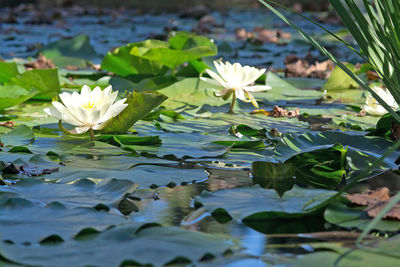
pixel 89 105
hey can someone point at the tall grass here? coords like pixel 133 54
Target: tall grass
pixel 375 26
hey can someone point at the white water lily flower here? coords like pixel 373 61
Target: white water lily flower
pixel 372 106
pixel 87 110
pixel 236 79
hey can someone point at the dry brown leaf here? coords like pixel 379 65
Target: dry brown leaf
pixel 8 124
pixel 362 113
pixel 376 200
pixel 40 63
pixel 375 209
pixel 70 67
pixel 370 196
pixel 307 67
pixel 278 112
pixel 372 75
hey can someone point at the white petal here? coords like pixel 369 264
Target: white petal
pixel 210 81
pixel 85 92
pixel 222 92
pixel 114 110
pixel 66 115
pixel 96 94
pixel 240 95
pixel 53 112
pixel 257 88
pixel 107 91
pixel 81 129
pixel 101 125
pixel 216 77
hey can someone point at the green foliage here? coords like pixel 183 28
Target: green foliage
pixel 378 42
pixel 70 52
pixel 19 136
pixel 256 203
pixel 139 104
pixel 7 71
pixel 134 243
pixel 11 95
pixel 153 57
pixel 339 80
pixel 324 168
pixel 341 215
pixel 45 81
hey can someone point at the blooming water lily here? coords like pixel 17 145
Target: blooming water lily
pixel 89 110
pixel 237 80
pixel 372 106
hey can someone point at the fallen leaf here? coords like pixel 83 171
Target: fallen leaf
pixel 376 200
pixel 375 209
pixel 372 75
pixel 8 124
pixel 370 196
pixel 307 67
pixel 40 63
pixel 278 112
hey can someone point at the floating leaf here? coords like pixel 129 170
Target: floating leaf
pixel 45 81
pixel 7 71
pixel 257 203
pixel 19 136
pixel 12 95
pixel 139 104
pixel 82 193
pixel 19 216
pixel 70 52
pixel 152 245
pixel 339 80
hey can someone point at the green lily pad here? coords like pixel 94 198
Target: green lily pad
pixel 12 95
pixel 19 216
pixel 355 217
pixel 247 203
pixel 45 81
pixel 19 136
pixel 70 52
pixel 139 104
pixel 82 193
pixel 7 71
pixel 153 245
pixel 362 150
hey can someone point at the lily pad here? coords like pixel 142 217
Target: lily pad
pixel 355 217
pixel 19 136
pixel 82 193
pixel 153 245
pixel 19 216
pixel 247 203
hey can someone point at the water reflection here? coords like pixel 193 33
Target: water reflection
pixel 254 237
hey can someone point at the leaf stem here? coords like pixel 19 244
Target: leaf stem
pixel 91 131
pixel 233 103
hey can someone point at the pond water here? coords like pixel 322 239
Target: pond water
pixel 64 199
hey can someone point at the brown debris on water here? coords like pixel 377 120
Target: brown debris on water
pixel 8 124
pixel 40 63
pixel 261 35
pixel 376 200
pixel 24 169
pixel 370 196
pixel 307 67
pixel 278 112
